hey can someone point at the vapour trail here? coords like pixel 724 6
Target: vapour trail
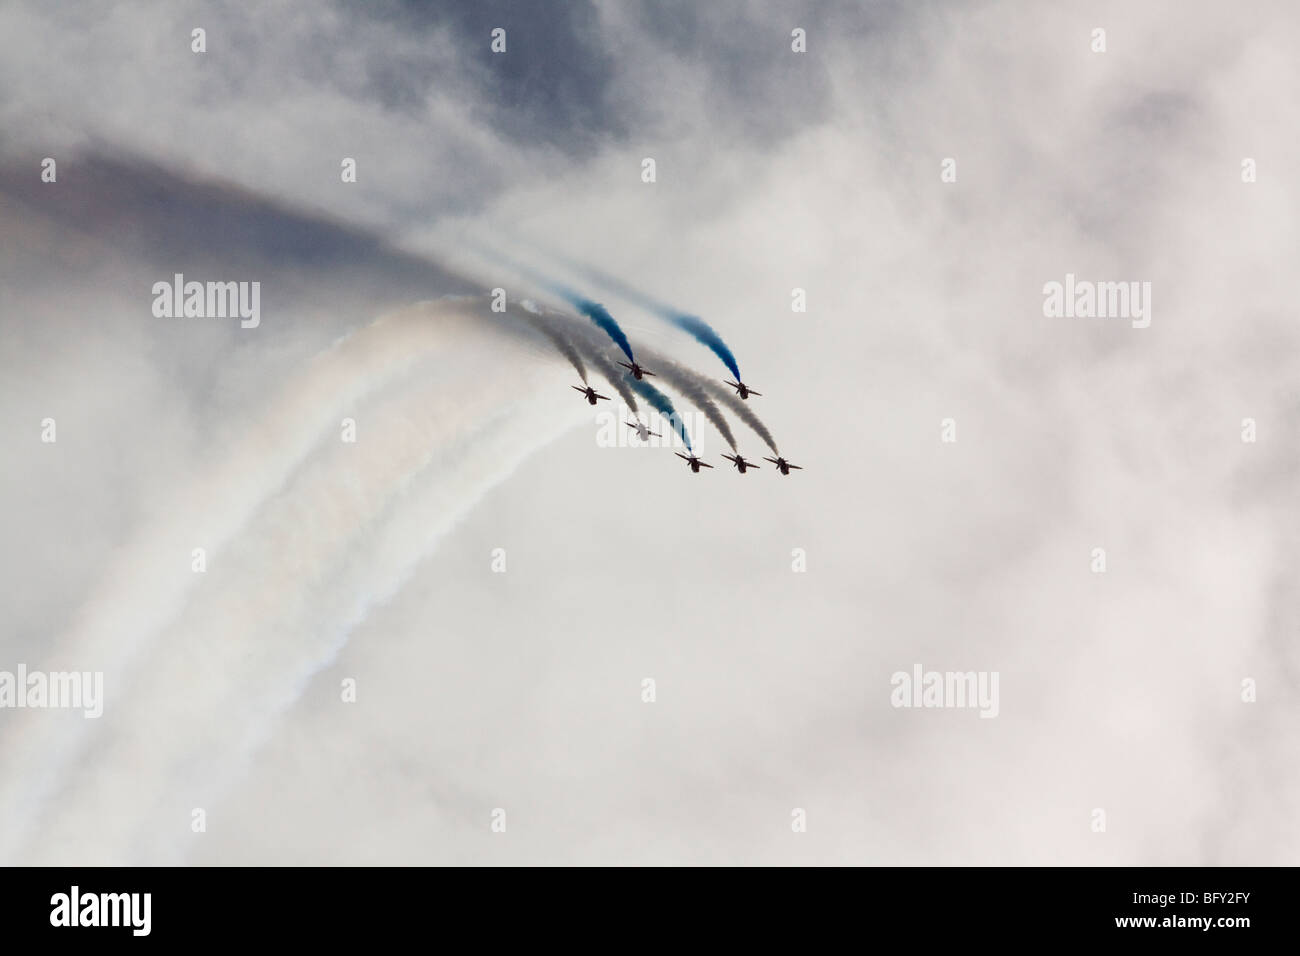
pixel 150 580
pixel 262 626
pixel 691 385
pixel 700 390
pixel 592 310
pixel 584 344
pixel 663 405
pixel 700 330
pixel 410 487
pixel 598 314
pixel 741 410
pixel 557 338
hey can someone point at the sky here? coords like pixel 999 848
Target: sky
pixel 430 644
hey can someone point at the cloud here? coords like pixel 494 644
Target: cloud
pixel 483 690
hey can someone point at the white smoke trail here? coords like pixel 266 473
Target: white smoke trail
pixel 563 345
pixel 295 577
pixel 694 387
pixel 343 536
pixel 691 387
pixel 151 578
pixel 594 349
pixel 700 390
pixel 740 409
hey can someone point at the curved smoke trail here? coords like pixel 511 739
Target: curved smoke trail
pixel 561 343
pixel 356 527
pixel 663 405
pixel 698 389
pixel 692 388
pixel 592 310
pixel 354 545
pixel 741 411
pixel 584 344
pixel 704 334
pixel 147 586
pixel 700 330
pixel 598 314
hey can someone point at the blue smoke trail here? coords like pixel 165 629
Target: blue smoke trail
pixel 702 332
pixel 662 404
pixel 598 314
pixel 592 310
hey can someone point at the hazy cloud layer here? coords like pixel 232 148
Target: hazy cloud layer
pixel 522 690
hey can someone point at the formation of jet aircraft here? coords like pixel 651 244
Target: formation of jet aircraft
pixel 693 462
